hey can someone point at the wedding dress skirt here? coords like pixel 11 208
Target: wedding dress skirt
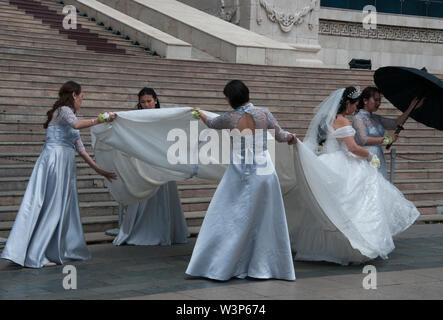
pixel 351 211
pixel 338 207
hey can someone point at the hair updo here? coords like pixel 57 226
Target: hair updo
pixel 367 94
pixel 350 94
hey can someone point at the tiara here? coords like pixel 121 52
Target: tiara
pixel 354 94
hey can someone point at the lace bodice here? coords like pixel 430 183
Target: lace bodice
pixel 65 118
pixel 371 125
pixel 263 119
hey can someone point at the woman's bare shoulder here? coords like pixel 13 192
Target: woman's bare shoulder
pixel 340 122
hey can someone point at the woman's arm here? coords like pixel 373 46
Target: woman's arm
pixel 402 119
pixel 280 134
pixel 108 175
pixel 67 116
pixel 213 123
pixel 363 137
pixel 354 148
pixel 86 123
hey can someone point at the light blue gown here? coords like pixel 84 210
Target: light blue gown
pixel 158 220
pixel 48 226
pixel 367 125
pixel 245 232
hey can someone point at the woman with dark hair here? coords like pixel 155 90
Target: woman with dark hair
pixel 48 229
pixel 370 128
pixel 147 99
pixel 158 220
pixel 245 233
pixel 346 211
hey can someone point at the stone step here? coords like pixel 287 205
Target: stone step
pixel 183 72
pixel 25 170
pixel 44 32
pixel 423 151
pixel 430 218
pixel 33 136
pixel 11 198
pixel 106 208
pixel 419 184
pixel 91 83
pixel 37 127
pixel 430 207
pixel 55 37
pixel 103 223
pixel 61 38
pixel 130 93
pixel 303 74
pixel 87 209
pixel 89 224
pixel 418 173
pixel 401 164
pixel 420 195
pixel 7 148
pixel 54 19
pixel 164 86
pixel 20 182
pixel 48 41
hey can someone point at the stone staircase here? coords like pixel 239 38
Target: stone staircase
pixel 36 58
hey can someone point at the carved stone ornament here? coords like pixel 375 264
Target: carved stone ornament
pixel 229 15
pixel 287 20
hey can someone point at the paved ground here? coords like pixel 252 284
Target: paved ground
pixel 414 271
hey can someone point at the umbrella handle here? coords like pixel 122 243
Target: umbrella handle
pixel 397 131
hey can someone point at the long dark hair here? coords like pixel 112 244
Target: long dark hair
pixel 65 98
pixel 367 94
pixel 150 92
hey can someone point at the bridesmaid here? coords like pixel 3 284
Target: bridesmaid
pixel 245 233
pixel 370 128
pixel 158 220
pixel 48 229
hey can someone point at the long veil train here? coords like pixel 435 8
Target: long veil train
pixel 135 146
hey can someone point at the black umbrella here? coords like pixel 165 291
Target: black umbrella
pixel 400 85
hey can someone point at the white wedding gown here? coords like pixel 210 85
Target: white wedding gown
pixel 350 212
pixel 338 207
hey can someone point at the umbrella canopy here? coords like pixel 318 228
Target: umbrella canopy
pixel 401 84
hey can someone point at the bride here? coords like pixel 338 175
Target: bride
pixel 345 211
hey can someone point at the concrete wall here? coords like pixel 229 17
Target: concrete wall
pixel 398 40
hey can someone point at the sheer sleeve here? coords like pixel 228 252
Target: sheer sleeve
pixel 361 134
pixel 67 117
pixel 272 123
pixel 221 122
pixel 389 124
pixel 78 142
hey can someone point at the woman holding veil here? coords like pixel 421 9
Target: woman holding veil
pixel 345 210
pixel 159 219
pixel 244 233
